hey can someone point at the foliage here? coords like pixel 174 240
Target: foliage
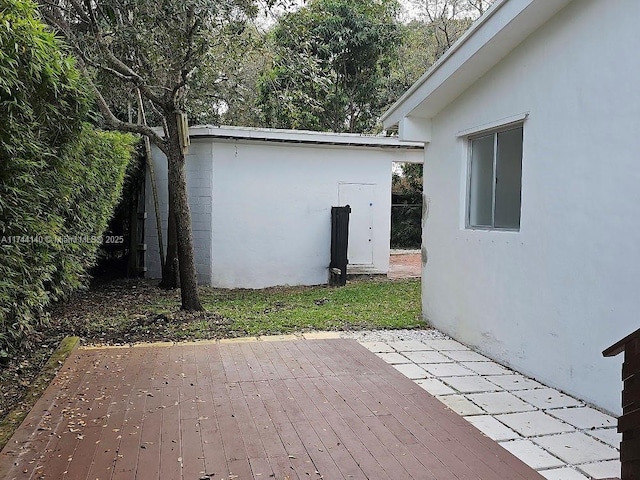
pixel 448 19
pixel 183 56
pixel 406 214
pixel 223 90
pixel 331 59
pixel 59 179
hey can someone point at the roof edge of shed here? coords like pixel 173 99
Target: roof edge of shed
pixel 226 132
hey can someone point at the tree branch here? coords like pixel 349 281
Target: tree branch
pixel 117 124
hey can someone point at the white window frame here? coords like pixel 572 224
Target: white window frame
pixel 517 122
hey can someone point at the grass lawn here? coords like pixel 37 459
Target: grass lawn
pixel 134 311
pixel 358 305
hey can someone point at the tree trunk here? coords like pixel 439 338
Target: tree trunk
pixel 170 276
pixel 180 203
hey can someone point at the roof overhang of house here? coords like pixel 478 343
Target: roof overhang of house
pixel 501 29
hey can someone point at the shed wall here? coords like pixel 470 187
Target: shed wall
pixel 272 210
pixel 199 168
pixel 264 217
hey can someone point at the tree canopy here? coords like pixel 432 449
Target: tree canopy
pixel 330 62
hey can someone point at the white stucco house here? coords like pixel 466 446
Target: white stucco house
pixel 531 244
pixel 261 203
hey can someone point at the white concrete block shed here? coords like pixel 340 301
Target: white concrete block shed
pixel 531 244
pixel 261 203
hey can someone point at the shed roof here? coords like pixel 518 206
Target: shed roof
pixel 300 137
pixel 496 33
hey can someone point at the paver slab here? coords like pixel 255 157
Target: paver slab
pixel 460 405
pixel 427 357
pixel 546 398
pixel 393 358
pixel 585 417
pixel 435 386
pixel 445 345
pixel 609 436
pixel 514 382
pixel 532 454
pixel 563 474
pixel 576 447
pixel 465 356
pixel 486 368
pixel 492 428
pixel 471 384
pixel 446 369
pixel 412 371
pixel 500 402
pixel 601 470
pixel 530 424
pixel 408 345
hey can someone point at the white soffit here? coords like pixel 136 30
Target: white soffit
pixel 492 37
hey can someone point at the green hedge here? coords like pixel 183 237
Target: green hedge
pixel 59 178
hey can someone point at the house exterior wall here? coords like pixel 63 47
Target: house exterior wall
pixel 264 217
pixel 547 299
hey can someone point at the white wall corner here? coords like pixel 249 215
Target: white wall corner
pixel 415 129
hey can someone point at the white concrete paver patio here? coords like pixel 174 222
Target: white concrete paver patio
pixel 560 436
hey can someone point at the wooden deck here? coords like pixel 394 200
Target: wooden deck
pixel 308 409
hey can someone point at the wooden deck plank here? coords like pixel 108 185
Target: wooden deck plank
pixel 66 401
pixel 287 410
pixel 305 363
pixel 247 427
pixel 170 434
pixel 25 449
pixel 130 432
pixel 193 465
pixel 107 451
pixel 212 442
pixel 228 363
pixel 270 350
pixel 253 362
pixel 269 433
pixel 333 445
pixel 151 437
pixel 358 448
pixel 269 371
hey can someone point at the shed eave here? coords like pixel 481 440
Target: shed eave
pixel 299 137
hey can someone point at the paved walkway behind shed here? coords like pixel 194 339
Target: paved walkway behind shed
pixel 305 409
pixel 405 264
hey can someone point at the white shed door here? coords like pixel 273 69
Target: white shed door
pixel 359 196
